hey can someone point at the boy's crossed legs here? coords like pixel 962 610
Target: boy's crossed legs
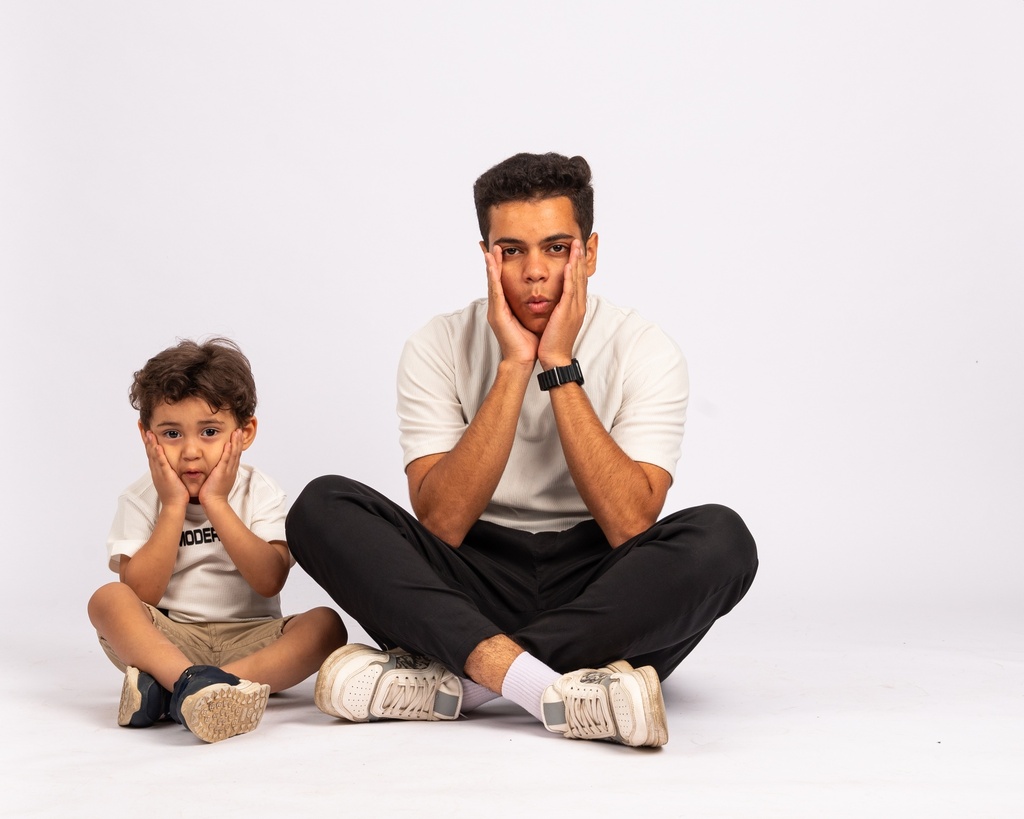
pixel 213 702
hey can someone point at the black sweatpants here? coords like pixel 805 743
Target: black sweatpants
pixel 567 597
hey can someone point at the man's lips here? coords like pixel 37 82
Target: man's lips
pixel 538 305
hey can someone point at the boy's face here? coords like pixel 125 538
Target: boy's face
pixel 535 238
pixel 193 436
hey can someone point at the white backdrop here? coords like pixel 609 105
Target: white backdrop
pixel 821 202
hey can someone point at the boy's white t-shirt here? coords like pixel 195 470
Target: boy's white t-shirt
pixel 205 586
pixel 635 377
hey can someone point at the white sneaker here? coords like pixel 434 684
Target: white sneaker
pixel 614 703
pixel 363 684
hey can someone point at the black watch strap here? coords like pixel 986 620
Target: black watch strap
pixel 557 376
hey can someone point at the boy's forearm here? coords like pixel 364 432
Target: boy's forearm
pixel 149 570
pixel 263 565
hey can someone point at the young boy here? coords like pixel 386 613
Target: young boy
pixel 199 545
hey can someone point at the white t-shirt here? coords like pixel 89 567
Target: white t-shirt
pixel 205 586
pixel 635 377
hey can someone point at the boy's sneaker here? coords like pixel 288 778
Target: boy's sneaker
pixel 215 705
pixel 363 684
pixel 614 703
pixel 143 700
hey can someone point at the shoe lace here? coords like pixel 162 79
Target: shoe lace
pixel 409 695
pixel 587 715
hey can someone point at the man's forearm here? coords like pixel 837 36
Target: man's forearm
pixel 451 491
pixel 619 493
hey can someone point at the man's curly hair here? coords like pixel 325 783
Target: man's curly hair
pixel 215 371
pixel 527 177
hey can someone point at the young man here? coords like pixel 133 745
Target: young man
pixel 541 427
pixel 198 543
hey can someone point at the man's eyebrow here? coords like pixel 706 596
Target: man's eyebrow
pixel 556 237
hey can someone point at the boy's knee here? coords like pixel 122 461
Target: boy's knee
pixel 110 595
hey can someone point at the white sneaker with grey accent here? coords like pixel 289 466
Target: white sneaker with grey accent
pixel 363 684
pixel 614 703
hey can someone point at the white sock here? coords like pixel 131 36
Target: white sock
pixel 525 682
pixel 474 695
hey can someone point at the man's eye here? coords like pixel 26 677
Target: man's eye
pixel 510 251
pixel 559 248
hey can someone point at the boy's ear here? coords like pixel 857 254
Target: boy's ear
pixel 248 433
pixel 142 432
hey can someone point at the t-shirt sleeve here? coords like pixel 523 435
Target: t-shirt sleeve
pixel 650 422
pixel 269 509
pixel 133 524
pixel 431 418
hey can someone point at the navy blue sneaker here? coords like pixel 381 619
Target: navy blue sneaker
pixel 143 700
pixel 215 705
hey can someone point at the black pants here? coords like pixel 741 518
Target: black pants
pixel 567 597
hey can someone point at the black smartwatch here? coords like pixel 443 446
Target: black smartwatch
pixel 557 376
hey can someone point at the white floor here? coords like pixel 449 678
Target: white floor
pixel 776 714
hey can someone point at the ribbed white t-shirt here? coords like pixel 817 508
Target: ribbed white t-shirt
pixel 635 377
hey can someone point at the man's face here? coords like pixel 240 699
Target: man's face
pixel 193 437
pixel 535 239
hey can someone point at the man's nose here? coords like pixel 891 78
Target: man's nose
pixel 535 269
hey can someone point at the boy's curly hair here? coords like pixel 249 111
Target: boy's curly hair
pixel 215 371
pixel 526 177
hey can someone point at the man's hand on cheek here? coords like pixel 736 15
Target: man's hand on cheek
pixel 516 342
pixel 556 344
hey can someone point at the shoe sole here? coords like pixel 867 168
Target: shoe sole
pixel 131 698
pixel 326 676
pixel 654 707
pixel 222 710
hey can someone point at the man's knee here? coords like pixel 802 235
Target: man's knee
pixel 720 532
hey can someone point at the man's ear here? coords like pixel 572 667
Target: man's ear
pixel 591 255
pixel 248 433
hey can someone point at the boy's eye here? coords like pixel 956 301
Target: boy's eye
pixel 172 433
pixel 209 432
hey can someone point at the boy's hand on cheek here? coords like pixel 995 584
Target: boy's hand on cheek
pixel 169 488
pixel 218 484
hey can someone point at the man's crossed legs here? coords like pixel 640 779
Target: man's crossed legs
pixel 575 632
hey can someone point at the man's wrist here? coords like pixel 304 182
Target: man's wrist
pixel 557 376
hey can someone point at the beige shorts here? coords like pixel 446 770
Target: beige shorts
pixel 211 643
